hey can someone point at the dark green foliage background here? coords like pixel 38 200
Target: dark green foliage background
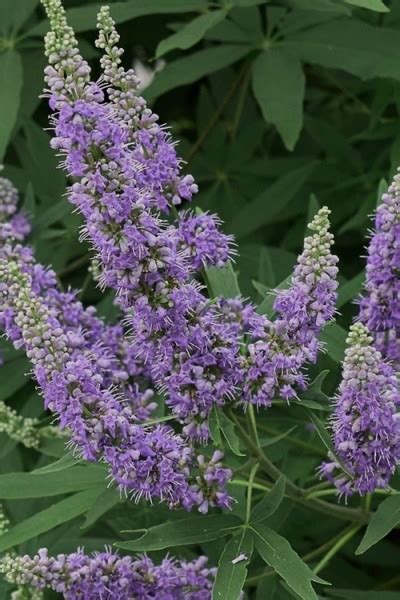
pixel 280 107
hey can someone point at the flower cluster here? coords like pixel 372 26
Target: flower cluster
pixel 126 170
pixel 13 224
pixel 380 306
pixel 148 462
pixel 365 424
pixel 25 430
pixel 275 361
pixel 202 242
pixel 23 592
pixel 108 576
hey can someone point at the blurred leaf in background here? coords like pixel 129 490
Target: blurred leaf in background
pixel 280 107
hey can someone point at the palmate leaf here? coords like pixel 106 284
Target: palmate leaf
pixel 276 551
pixel 51 517
pixel 278 84
pixel 83 18
pixel 191 33
pixel 383 521
pixel 270 205
pixel 192 530
pixel 232 567
pixel 193 67
pixel 351 45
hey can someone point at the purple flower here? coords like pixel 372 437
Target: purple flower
pixel 380 306
pixel 13 224
pixel 202 242
pixel 149 462
pixel 275 362
pixel 365 424
pixel 108 576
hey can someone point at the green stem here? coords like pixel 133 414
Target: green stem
pixel 245 483
pixel 321 493
pixel 159 420
pixel 253 425
pixel 294 441
pixel 250 492
pixel 296 493
pixel 335 548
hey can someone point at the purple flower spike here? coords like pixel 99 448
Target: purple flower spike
pixel 380 306
pixel 108 576
pixel 275 360
pixel 366 426
pixel 202 241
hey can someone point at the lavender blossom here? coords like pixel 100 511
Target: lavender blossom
pixel 202 241
pixel 380 306
pixel 275 361
pixel 366 428
pixel 13 224
pixel 148 462
pixel 152 148
pixel 108 576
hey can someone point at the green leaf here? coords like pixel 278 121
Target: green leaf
pixel 10 95
pixel 219 424
pixel 214 427
pixel 276 551
pixel 191 33
pixel 321 430
pixel 363 595
pixel 265 442
pixel 313 208
pixel 270 205
pixel 193 530
pixel 314 391
pixel 376 5
pixel 334 336
pixel 232 567
pixel 83 18
pixel 105 502
pixel 270 503
pixel 37 158
pixel 278 84
pixel 350 290
pixel 193 67
pixel 382 189
pixel 59 465
pixel 222 281
pixel 353 46
pixel 52 214
pixel 15 486
pixel 13 377
pixel 14 13
pixel 383 521
pixel 47 519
